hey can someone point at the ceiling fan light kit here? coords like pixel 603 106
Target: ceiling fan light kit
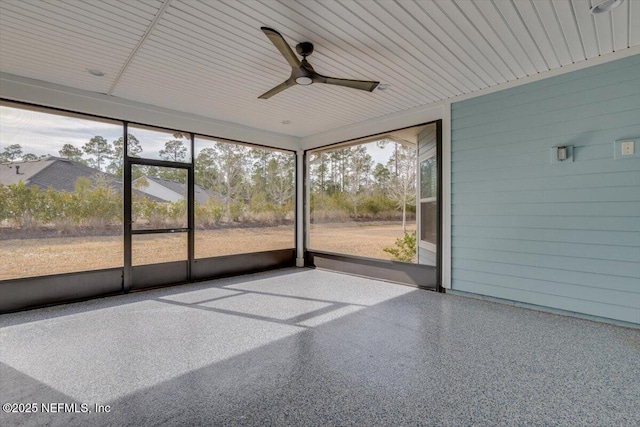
pixel 302 73
pixel 304 80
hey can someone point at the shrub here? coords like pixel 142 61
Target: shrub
pixel 61 209
pixel 237 210
pixel 101 206
pixel 4 203
pixel 177 213
pixel 149 210
pixel 209 214
pixel 321 215
pixel 405 249
pixel 376 204
pixel 22 205
pixel 265 218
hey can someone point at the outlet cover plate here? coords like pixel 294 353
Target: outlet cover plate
pixel 617 153
pixel 554 154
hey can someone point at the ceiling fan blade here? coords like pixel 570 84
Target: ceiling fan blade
pixel 369 86
pixel 280 43
pixel 282 86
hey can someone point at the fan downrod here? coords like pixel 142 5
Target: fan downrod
pixel 304 49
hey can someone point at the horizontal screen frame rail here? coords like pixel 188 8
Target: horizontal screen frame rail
pixel 161 231
pixel 412 274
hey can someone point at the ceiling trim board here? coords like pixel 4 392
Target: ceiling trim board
pixel 376 126
pixel 22 89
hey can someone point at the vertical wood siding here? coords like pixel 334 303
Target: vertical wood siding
pixel 561 235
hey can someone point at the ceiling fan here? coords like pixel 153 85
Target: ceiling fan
pixel 302 73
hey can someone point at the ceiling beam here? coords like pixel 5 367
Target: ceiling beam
pixel 143 39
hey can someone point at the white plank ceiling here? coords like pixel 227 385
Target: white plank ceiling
pixel 210 58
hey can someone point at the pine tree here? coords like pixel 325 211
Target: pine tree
pixel 206 172
pixel 174 151
pixel 11 153
pixel 357 165
pixel 71 152
pixel 100 149
pixel 116 167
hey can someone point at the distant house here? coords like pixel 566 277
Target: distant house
pixel 55 172
pixel 172 191
pixel 59 174
pixel 62 174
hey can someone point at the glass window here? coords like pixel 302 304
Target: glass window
pixel 429 222
pixel 429 201
pixel 151 143
pixel 244 198
pixel 60 193
pixel 363 200
pixel 428 178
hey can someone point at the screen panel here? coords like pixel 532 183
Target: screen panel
pixel 158 248
pixel 158 197
pixel 363 199
pixel 157 144
pixel 244 198
pixel 60 193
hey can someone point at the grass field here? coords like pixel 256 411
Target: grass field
pixel 357 238
pixel 38 257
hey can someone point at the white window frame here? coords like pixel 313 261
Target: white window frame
pixel 433 152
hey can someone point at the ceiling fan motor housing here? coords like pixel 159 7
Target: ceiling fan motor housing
pixel 304 48
pixel 303 75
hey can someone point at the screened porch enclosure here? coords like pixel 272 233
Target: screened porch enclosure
pixel 374 208
pixel 93 206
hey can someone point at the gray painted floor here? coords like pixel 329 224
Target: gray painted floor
pixel 307 347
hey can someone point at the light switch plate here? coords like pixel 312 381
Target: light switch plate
pixel 626 148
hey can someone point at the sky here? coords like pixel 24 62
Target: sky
pixel 379 155
pixel 40 133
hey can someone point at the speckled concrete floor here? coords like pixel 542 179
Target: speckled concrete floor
pixel 306 347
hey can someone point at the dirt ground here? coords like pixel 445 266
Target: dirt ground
pixel 37 257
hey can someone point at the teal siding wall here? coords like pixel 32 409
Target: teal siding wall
pixel 561 235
